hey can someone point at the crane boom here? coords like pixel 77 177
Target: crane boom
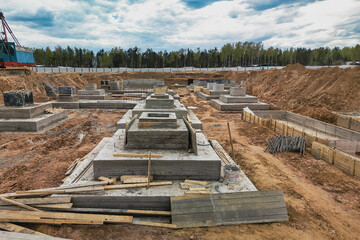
pixel 5 26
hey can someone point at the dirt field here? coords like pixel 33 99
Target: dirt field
pixel 322 201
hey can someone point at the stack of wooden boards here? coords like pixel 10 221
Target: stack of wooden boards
pixel 193 187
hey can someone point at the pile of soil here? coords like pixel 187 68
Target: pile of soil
pixel 315 93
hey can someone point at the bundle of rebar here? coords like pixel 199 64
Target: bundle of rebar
pixel 286 144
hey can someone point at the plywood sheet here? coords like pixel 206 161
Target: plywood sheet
pixel 228 209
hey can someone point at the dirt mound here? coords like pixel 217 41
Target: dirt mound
pixel 315 93
pixel 296 66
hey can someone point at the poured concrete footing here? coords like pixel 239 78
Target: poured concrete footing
pixel 96 104
pixel 206 96
pixel 175 164
pixel 195 122
pixel 28 111
pixel 35 124
pixel 95 97
pixel 179 109
pixel 238 99
pixel 220 105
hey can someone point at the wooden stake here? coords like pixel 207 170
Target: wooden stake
pixel 232 146
pixel 19 204
pixel 149 169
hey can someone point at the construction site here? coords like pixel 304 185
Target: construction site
pixel 256 154
pixel 143 161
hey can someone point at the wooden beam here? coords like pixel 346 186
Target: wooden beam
pixel 231 142
pixel 19 204
pixel 137 155
pixel 136 185
pixel 154 224
pixel 32 201
pixel 4 214
pixel 118 211
pixel 149 169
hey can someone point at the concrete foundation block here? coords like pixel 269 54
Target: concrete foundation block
pixel 18 98
pixel 114 85
pixel 25 112
pixel 237 91
pixel 210 86
pixel 206 96
pixel 157 138
pixel 179 109
pixel 91 86
pixel 238 99
pixel 159 101
pixel 220 105
pixel 68 98
pixel 67 90
pixel 174 165
pixel 218 87
pixel 34 124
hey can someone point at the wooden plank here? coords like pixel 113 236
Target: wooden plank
pixel 227 209
pixel 118 211
pixel 38 201
pixel 52 221
pixel 197 192
pixel 47 206
pixel 135 178
pixel 19 229
pixel 137 155
pixel 154 224
pixel 19 204
pixel 70 216
pixel 109 181
pixel 149 170
pixel 136 185
pixel 26 236
pixel 195 182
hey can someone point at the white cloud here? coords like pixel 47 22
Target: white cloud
pixel 171 24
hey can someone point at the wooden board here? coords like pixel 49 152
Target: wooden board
pixel 345 162
pixel 39 201
pixel 16 228
pixel 5 214
pixel 228 209
pixel 192 136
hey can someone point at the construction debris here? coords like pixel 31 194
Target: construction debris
pixel 286 144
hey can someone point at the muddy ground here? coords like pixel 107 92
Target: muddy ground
pixel 322 201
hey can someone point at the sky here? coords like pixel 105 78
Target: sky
pixel 174 24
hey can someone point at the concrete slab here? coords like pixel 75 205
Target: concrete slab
pixel 238 99
pixel 179 109
pixel 28 111
pixel 34 124
pixel 159 101
pixel 220 105
pixel 175 164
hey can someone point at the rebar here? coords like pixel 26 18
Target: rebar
pixel 286 144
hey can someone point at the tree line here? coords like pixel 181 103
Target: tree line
pixel 230 55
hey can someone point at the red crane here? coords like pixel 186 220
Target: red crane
pixel 5 26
